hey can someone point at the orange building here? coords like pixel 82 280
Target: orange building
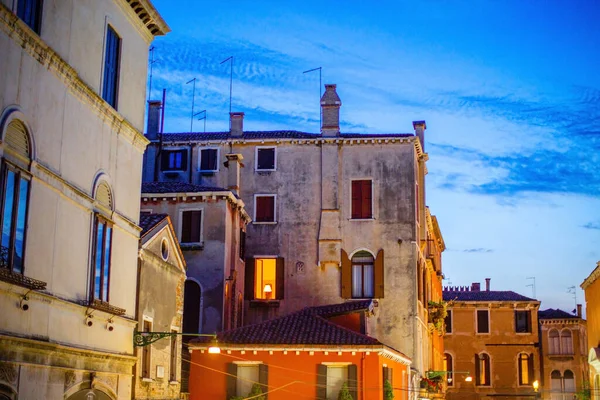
pixel 492 338
pixel 591 286
pixel 309 354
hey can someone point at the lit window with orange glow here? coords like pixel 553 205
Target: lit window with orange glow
pixel 265 278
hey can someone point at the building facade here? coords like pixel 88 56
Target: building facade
pixel 563 341
pixel 491 339
pixel 71 115
pixel 591 287
pixel 161 280
pixel 334 217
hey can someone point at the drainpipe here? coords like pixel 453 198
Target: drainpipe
pixel 191 162
pixel 363 375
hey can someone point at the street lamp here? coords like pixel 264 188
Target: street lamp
pixel 536 386
pixel 141 339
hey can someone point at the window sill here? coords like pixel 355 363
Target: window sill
pixel 264 303
pixel 208 172
pixel 192 246
pixel 362 219
pixel 9 276
pixel 265 223
pixel 266 171
pixel 561 356
pixel 103 306
pixel 148 380
pixel 173 383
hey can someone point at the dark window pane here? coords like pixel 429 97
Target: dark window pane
pixel 266 158
pixel 522 321
pixel 106 267
pixel 111 67
pixel 482 321
pixel 265 209
pixel 98 260
pixel 448 321
pixel 9 196
pixel 190 229
pixel 20 231
pixel 208 160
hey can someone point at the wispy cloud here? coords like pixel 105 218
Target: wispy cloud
pixel 592 225
pixel 478 250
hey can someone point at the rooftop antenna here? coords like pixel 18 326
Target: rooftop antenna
pixel 193 99
pixel 230 59
pixel 202 118
pixel 160 137
pixel 532 285
pixel 152 61
pixel 572 290
pixel 320 109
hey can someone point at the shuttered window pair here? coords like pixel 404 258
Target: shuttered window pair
pixel 526 374
pixel 112 60
pixel 241 377
pixel 264 278
pixel 101 259
pixel 482 369
pixel 362 199
pixel 264 208
pixel 174 160
pixel 522 321
pixel 331 378
pixel 209 159
pixel 362 276
pixel 265 158
pixel 191 223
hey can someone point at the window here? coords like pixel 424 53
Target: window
pixel 336 377
pixel 191 226
pixel 241 376
pixel 246 376
pixel 209 160
pixel 146 361
pixel 562 387
pixel 264 278
pixel 173 360
pixel 556 385
pixel 388 375
pixel 448 321
pixel 522 321
pixel 362 199
pixel 362 275
pixel 526 374
pixel 242 244
pixel 264 208
pixel 174 160
pixel 449 368
pixel 331 378
pixel 265 159
pixel 566 342
pixel 483 322
pixel 482 369
pixel 30 11
pixel 553 342
pixel 14 219
pixel 569 383
pixel 101 259
pixel 112 55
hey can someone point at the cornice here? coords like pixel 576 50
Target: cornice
pixel 592 277
pixel 32 44
pixel 144 16
pixel 312 141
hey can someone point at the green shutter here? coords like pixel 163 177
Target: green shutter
pixel 263 379
pixel 321 382
pixel 231 380
pixel 352 380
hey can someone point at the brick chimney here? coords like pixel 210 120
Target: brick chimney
pixel 420 127
pixel 233 164
pixel 579 310
pixel 487 284
pixel 330 109
pixel 475 287
pixel 236 123
pixel 153 126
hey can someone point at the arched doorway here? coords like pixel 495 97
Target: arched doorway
pixel 191 307
pixel 89 394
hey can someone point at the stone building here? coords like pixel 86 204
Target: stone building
pixel 563 341
pixel 591 287
pixel 161 279
pixel 492 339
pixel 72 88
pixel 335 217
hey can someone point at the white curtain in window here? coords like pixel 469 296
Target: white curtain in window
pixel 566 342
pixel 569 382
pixel 556 386
pixel 247 375
pixel 356 281
pixel 336 376
pixel 368 273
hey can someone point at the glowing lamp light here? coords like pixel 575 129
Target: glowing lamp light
pixel 469 379
pixel 268 288
pixel 214 347
pixel 536 386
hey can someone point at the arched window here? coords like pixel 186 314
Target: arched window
pixel 526 374
pixel 482 369
pixel 191 307
pixel 566 342
pixel 363 274
pixel 449 368
pixel 556 385
pixel 553 342
pixel 569 382
pixel 102 244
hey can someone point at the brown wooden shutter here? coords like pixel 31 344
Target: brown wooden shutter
pixel 520 358
pixel 477 372
pixel 16 137
pixel 263 379
pixel 487 370
pixel 346 275
pixel 352 382
pixel 186 227
pixel 231 380
pixel 356 199
pixel 249 279
pixel 196 224
pixel 280 278
pixel 270 209
pixel 164 160
pixel 321 382
pixel 366 193
pixel 184 156
pixel 531 369
pixel 379 273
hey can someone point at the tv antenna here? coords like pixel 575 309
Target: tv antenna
pixel 202 118
pixel 230 59
pixel 320 109
pixel 152 61
pixel 193 81
pixel 572 290
pixel 532 285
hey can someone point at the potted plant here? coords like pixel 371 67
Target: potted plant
pixel 437 314
pixel 388 390
pixel 345 393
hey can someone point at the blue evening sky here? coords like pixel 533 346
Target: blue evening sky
pixel 510 91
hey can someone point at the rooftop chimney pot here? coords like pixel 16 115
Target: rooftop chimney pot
pixel 152 128
pixel 419 127
pixel 330 110
pixel 487 284
pixel 236 123
pixel 233 164
pixel 475 287
pixel 579 310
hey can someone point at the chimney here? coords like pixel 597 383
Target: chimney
pixel 154 108
pixel 233 164
pixel 236 123
pixel 420 127
pixel 475 287
pixel 579 310
pixel 330 110
pixel 487 284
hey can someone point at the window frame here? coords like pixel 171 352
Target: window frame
pixel 108 27
pixel 489 328
pixel 529 328
pixel 362 275
pixel 184 161
pixel 451 317
pixel 554 348
pixel 180 226
pixel 217 163
pixel 254 220
pixel 449 368
pixel 37 18
pixel 250 279
pixel 101 219
pixel 246 364
pixel 564 350
pixel 256 149
pixel 344 367
pixel 478 370
pixel 530 369
pixel 372 217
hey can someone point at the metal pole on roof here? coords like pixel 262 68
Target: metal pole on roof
pixel 532 285
pixel 202 118
pixel 320 94
pixel 193 99
pixel 230 59
pixel 152 61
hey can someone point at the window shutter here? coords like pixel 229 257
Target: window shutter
pixel 270 208
pixel 379 275
pixel 321 381
pixel 249 277
pixel 184 156
pixel 231 378
pixel 346 274
pixel 164 160
pixel 487 362
pixel 212 159
pixel 356 199
pixel 531 371
pixel 477 370
pixel 263 379
pixel 367 211
pixel 280 278
pixel 529 328
pixel 520 358
pixel 17 139
pixel 352 382
pixel 196 219
pixel 186 227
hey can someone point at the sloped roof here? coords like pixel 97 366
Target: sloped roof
pixel 484 295
pixel 149 221
pixel 552 313
pixel 178 187
pixel 285 134
pixel 308 326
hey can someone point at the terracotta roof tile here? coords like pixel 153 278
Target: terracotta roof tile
pixel 555 314
pixel 286 134
pixel 484 295
pixel 149 221
pixel 178 187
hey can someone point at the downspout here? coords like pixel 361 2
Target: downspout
pixel 363 376
pixel 160 141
